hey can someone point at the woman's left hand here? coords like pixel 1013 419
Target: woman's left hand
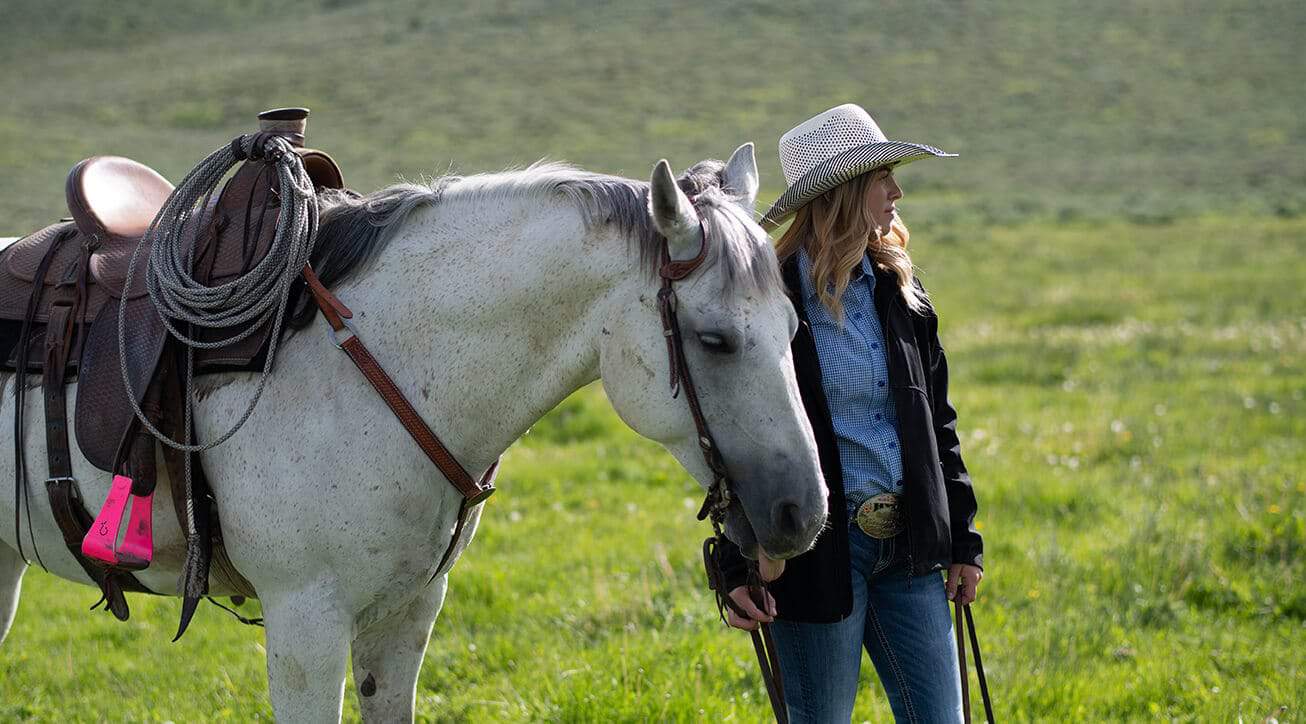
pixel 963 582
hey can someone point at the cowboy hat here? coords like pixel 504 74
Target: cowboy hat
pixel 831 148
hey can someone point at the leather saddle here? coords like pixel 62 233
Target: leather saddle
pixel 62 290
pixel 112 201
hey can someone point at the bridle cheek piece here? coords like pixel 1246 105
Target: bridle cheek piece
pixel 719 494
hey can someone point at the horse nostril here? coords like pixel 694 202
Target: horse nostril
pixel 785 515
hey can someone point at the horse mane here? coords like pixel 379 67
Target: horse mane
pixel 354 229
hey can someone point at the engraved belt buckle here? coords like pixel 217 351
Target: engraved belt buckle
pixel 881 516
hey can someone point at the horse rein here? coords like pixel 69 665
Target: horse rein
pixel 720 493
pixel 958 627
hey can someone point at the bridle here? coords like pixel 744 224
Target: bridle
pixel 720 494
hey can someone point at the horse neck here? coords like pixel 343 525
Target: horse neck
pixel 489 318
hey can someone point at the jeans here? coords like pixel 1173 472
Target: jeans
pixel 906 630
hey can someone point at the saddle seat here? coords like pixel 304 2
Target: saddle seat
pixel 112 196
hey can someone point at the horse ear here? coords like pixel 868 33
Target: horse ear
pixel 740 177
pixel 674 214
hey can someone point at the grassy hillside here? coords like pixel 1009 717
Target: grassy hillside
pixel 1116 257
pixel 1147 110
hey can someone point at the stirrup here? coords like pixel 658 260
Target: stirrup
pixel 137 549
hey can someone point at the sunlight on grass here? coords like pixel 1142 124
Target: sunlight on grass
pixel 1140 492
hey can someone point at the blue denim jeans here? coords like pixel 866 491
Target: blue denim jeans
pixel 906 630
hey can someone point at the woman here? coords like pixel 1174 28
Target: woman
pixel 875 384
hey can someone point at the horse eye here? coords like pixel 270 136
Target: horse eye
pixel 713 342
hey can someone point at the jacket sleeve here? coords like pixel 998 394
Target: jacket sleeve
pixel 967 544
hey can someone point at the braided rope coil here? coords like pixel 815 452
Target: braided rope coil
pixel 246 302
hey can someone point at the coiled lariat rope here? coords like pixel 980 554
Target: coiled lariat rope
pixel 246 303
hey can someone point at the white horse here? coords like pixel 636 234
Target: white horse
pixel 489 299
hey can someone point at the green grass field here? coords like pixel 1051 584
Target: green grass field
pixel 1117 260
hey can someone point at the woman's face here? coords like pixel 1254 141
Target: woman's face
pixel 881 194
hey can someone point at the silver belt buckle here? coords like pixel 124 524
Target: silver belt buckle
pixel 881 516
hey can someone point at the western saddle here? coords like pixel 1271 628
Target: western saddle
pixel 60 294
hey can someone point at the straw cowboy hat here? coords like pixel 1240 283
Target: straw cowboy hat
pixel 831 148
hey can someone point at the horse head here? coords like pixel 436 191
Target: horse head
pixel 735 324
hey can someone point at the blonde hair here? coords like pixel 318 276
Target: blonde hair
pixel 836 229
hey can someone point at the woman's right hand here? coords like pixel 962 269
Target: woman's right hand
pixel 741 598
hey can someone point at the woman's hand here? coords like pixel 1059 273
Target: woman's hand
pixel 963 582
pixel 740 596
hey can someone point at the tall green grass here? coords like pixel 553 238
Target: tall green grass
pixel 1140 478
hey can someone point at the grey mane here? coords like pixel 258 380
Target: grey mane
pixel 353 229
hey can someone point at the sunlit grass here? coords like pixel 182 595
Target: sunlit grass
pixel 1141 492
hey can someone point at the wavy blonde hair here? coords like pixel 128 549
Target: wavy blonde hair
pixel 836 229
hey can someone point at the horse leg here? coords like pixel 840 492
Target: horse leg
pixel 12 566
pixel 307 639
pixel 388 655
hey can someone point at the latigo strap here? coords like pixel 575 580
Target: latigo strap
pixel 66 324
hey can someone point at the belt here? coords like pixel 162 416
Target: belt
pixel 881 516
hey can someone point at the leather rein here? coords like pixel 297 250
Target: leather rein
pixel 720 493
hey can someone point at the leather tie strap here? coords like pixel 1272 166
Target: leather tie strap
pixel 21 491
pixel 336 313
pixel 961 662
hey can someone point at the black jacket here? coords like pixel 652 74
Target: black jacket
pixel 940 503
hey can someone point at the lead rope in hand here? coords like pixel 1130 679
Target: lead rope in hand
pixel 958 607
pixel 247 302
pixel 768 660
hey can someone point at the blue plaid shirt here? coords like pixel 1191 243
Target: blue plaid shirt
pixel 855 374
